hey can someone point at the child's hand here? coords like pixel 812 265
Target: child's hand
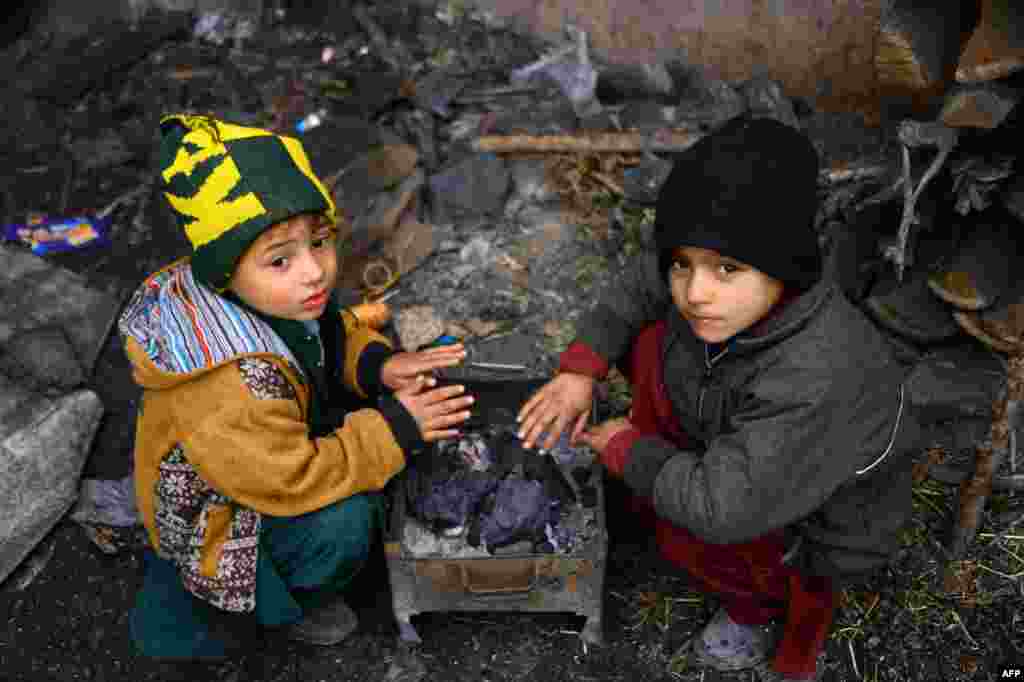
pixel 566 399
pixel 600 435
pixel 437 409
pixel 401 369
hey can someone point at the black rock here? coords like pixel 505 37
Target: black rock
pixel 42 358
pixel 955 383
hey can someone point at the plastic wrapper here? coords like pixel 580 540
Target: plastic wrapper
pixel 45 234
pixel 570 67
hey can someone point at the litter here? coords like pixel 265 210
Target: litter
pixel 106 502
pixel 314 120
pixel 571 69
pixel 55 235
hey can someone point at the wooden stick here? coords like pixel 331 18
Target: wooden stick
pixel 663 141
pixel 974 491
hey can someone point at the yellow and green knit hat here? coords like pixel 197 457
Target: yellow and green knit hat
pixel 227 183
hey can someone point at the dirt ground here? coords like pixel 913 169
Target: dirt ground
pixel 900 624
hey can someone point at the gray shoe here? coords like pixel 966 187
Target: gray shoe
pixel 727 646
pixel 326 625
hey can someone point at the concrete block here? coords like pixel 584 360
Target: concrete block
pixel 42 452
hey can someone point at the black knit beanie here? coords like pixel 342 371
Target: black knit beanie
pixel 749 192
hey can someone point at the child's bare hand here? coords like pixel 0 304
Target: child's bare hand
pixel 565 400
pixel 600 435
pixel 435 410
pixel 401 369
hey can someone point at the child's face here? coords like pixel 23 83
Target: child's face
pixel 719 296
pixel 290 270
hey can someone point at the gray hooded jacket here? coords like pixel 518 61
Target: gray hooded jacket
pixel 803 427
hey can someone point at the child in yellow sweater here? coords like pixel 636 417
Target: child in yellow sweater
pixel 271 418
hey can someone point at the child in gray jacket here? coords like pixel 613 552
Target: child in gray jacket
pixel 768 432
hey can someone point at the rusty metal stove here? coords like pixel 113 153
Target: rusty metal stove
pixel 571 582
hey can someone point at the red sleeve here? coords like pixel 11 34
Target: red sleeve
pixel 616 453
pixel 579 358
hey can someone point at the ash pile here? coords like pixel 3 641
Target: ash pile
pixel 484 495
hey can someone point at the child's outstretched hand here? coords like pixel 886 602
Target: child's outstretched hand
pixel 599 436
pixel 402 369
pixel 435 410
pixel 565 400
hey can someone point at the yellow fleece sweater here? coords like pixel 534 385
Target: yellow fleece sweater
pixel 222 436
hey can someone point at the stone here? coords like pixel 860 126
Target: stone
pixel 41 359
pixel 982 105
pixel 530 183
pixel 646 116
pixel 617 83
pixel 850 255
pixel 642 182
pixel 1013 197
pixel 478 184
pixel 982 269
pixel 996 48
pixel 545 113
pixel 42 453
pixel 105 150
pixel 341 141
pixel 96 52
pixel 909 309
pixel 703 100
pixel 417 326
pixel 379 169
pixel 384 213
pixel 960 382
pixel 766 99
pixel 476 252
pixel 957 434
pixel 35 293
pixel 436 91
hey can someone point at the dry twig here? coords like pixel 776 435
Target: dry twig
pixel 918 134
pixel 974 491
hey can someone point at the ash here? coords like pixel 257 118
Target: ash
pixel 483 495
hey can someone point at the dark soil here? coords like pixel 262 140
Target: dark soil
pixel 900 624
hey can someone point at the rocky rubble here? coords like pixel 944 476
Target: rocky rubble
pixel 506 249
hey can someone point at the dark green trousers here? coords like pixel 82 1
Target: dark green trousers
pixel 302 560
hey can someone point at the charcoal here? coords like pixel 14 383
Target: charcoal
pixel 588 496
pixel 521 511
pixel 442 494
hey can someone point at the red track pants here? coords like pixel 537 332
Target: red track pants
pixel 749 577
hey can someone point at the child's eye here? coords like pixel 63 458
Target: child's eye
pixel 729 268
pixel 323 238
pixel 279 263
pixel 679 265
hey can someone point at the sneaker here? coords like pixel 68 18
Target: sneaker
pixel 981 271
pixel 726 645
pixel 326 625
